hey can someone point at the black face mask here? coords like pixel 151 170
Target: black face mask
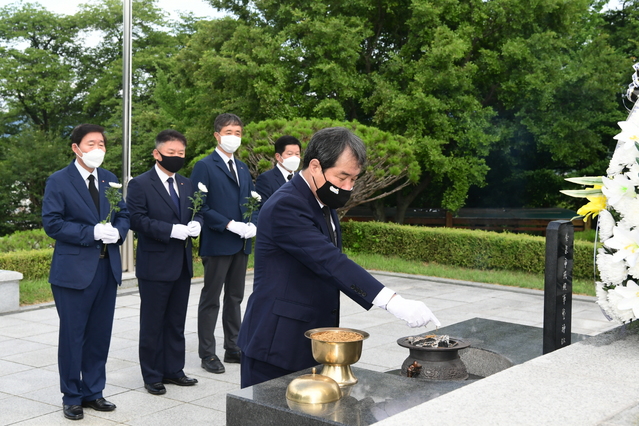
pixel 172 164
pixel 331 195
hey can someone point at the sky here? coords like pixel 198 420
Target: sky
pixel 68 7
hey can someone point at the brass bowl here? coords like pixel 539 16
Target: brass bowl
pixel 312 389
pixel 337 357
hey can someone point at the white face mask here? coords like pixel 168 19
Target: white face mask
pixel 93 158
pixel 230 143
pixel 291 163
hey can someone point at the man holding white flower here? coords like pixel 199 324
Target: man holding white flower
pixel 229 226
pixel 160 202
pixel 86 267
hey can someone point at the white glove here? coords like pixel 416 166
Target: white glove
pixel 111 236
pixel 414 312
pixel 251 230
pixel 179 231
pixel 99 231
pixel 194 228
pixel 238 228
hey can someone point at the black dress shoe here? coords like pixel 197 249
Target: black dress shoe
pixel 213 365
pixel 182 381
pixel 73 412
pixel 99 404
pixel 232 357
pixel 155 388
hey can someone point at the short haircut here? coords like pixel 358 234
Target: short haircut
pixel 328 144
pixel 227 119
pixel 284 141
pixel 79 132
pixel 168 136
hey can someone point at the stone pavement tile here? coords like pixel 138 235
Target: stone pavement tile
pixel 129 326
pixel 135 404
pixel 131 299
pixel 114 364
pixel 215 401
pixel 205 388
pixel 122 341
pixel 20 328
pixel 37 358
pixel 127 312
pixel 47 315
pixel 48 395
pixel 27 381
pixel 9 367
pixel 15 409
pixel 127 377
pixel 57 419
pixel 127 353
pixel 50 339
pixel 185 414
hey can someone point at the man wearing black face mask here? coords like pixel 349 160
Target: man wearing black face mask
pixel 299 267
pixel 160 206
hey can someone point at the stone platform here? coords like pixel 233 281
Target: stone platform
pixel 495 345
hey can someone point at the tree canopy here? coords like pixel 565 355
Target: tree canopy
pixel 497 101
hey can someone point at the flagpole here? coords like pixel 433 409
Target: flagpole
pixel 127 247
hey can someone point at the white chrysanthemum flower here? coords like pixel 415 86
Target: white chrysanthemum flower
pixel 255 195
pixel 626 243
pixel 115 185
pixel 624 300
pixel 602 298
pixel 629 210
pixel 611 271
pixel 202 187
pixel 606 224
pixel 617 188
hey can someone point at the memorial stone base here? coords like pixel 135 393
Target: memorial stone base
pixel 495 345
pixel 9 291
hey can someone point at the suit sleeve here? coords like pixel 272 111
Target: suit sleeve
pixel 296 232
pixel 263 188
pixel 139 209
pixel 55 220
pixel 211 217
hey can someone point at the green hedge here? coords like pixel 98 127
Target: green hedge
pixel 33 264
pixel 459 247
pixel 446 246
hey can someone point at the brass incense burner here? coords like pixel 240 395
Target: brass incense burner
pixel 336 356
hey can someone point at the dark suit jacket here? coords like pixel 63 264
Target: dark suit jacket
pixel 153 213
pixel 69 216
pixel 224 202
pixel 299 274
pixel 269 182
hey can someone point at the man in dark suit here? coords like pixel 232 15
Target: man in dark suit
pixel 85 268
pixel 287 155
pixel 224 247
pixel 300 269
pixel 159 202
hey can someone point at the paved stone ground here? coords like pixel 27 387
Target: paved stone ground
pixel 29 387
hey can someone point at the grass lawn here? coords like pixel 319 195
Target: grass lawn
pixel 39 291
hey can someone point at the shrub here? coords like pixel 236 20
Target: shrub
pixel 459 247
pixel 33 264
pixel 33 239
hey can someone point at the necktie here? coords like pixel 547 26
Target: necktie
pixel 289 177
pixel 93 190
pixel 327 216
pixel 174 196
pixel 232 169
